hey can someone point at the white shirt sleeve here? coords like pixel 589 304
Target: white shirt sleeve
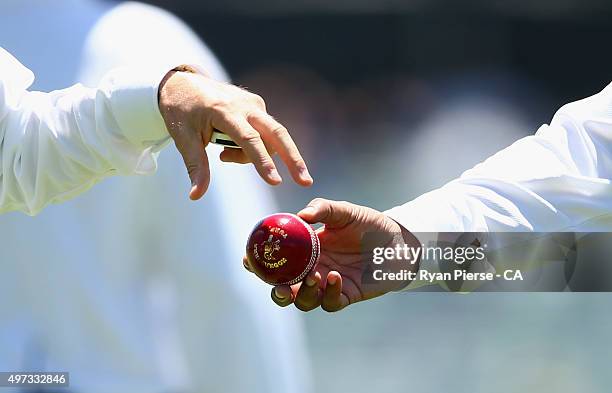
pixel 56 145
pixel 555 180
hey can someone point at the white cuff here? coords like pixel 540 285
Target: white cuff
pixel 431 212
pixel 425 217
pixel 132 93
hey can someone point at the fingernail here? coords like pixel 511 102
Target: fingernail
pixel 278 294
pixel 310 281
pixel 275 176
pixel 305 174
pixel 332 280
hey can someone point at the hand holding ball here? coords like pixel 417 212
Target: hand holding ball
pixel 282 249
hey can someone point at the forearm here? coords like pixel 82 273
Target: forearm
pixel 556 180
pixel 57 145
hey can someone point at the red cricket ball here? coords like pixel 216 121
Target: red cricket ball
pixel 282 249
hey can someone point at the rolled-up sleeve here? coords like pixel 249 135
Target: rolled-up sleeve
pixel 56 145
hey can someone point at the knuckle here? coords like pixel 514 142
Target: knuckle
pixel 300 163
pixel 220 107
pixel 226 116
pixel 250 138
pixel 192 168
pixel 221 112
pixel 268 165
pixel 347 207
pixel 264 162
pixel 280 131
pixel 330 210
pixel 317 201
pixel 258 100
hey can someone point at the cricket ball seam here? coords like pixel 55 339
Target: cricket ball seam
pixel 314 254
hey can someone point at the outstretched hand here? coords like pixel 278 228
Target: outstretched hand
pixel 336 281
pixel 193 104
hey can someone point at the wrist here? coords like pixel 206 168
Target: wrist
pixel 179 101
pixel 162 86
pixel 406 239
pixel 185 68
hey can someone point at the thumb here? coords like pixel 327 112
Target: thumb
pixel 196 161
pixel 200 177
pixel 331 213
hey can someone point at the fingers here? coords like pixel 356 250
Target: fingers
pixel 333 298
pixel 191 148
pixel 283 295
pixel 205 104
pixel 276 139
pixel 277 136
pixel 245 263
pixel 331 213
pixel 306 295
pixel 234 155
pixel 309 295
pixel 237 156
pixel 241 131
